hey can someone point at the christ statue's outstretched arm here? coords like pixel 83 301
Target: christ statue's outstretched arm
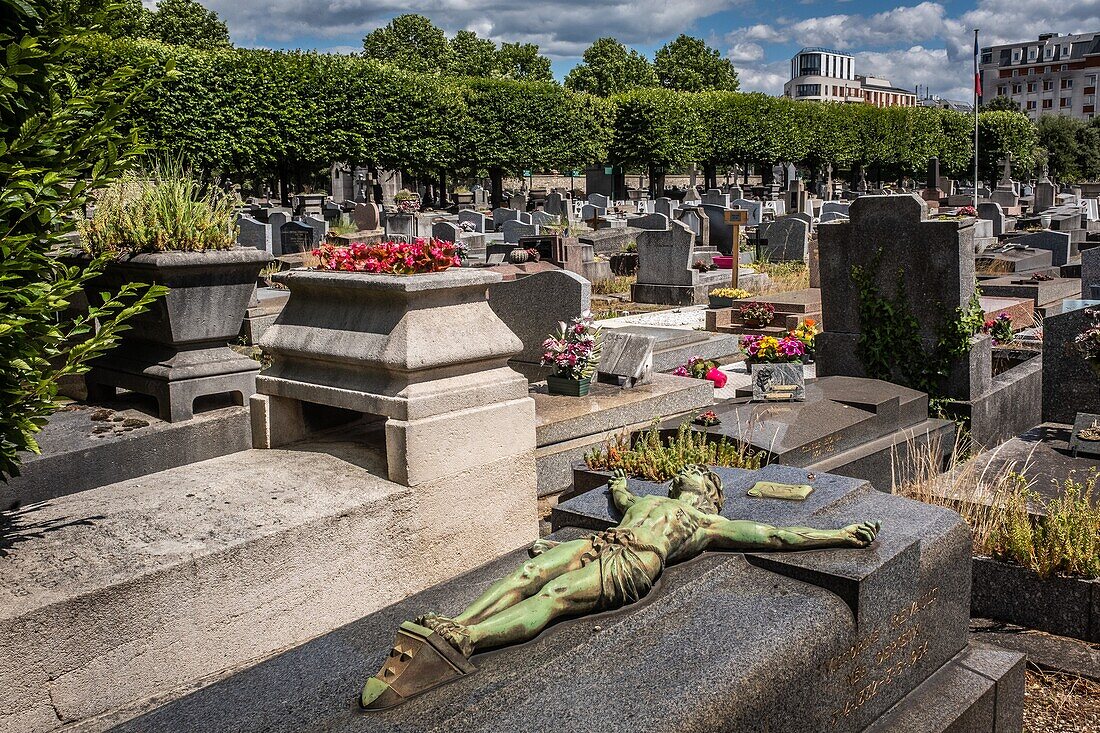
pixel 744 535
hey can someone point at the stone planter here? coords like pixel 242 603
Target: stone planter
pixel 720 302
pixel 1010 593
pixel 178 349
pixel 568 387
pixel 463 199
pixel 426 352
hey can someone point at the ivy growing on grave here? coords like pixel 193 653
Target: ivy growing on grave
pixel 890 345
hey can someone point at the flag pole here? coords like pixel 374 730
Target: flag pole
pixel 977 93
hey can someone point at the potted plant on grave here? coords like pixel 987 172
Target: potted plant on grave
pixel 699 368
pixel 574 354
pixel 770 350
pixel 724 297
pixel 463 196
pixel 164 226
pixel 806 333
pixel 407 202
pixel 1000 329
pixel 756 314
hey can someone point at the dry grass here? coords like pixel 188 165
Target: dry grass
pixel 613 285
pixel 783 277
pixel 1060 703
pixel 1008 520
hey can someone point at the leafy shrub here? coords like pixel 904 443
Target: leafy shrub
pixel 58 140
pixel 163 208
pixel 652 459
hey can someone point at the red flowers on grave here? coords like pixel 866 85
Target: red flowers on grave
pixel 1000 328
pixel 701 368
pixel 390 258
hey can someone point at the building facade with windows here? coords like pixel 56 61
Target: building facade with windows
pixel 1055 74
pixel 824 75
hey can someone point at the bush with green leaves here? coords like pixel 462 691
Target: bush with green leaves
pixel 58 140
pixel 162 208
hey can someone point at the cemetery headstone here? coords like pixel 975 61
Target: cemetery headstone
pixel 993 212
pixel 319 225
pixel 446 231
pixel 479 221
pixel 253 233
pixel 296 236
pixel 664 205
pixel 599 200
pixel 788 239
pixel 660 222
pixel 513 230
pixel 755 209
pixel 366 216
pixel 502 215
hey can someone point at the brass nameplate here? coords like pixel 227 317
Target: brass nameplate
pixel 772 490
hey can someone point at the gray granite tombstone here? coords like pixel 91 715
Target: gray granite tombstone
pixel 715 197
pixel 1069 383
pixel 296 236
pixel 755 209
pixel 1090 271
pixel 253 233
pixel 1044 196
pixel 532 307
pixel 1058 243
pixel 513 230
pixel 599 200
pixel 518 201
pixel 556 204
pixel 542 218
pixel 993 212
pixel 590 212
pixel 887 235
pixel 721 233
pixel 446 231
pixel 479 221
pixel 788 239
pixel 275 221
pixel 659 222
pixel 664 205
pixel 319 225
pixel 502 215
pixel 665 269
pixel 402 225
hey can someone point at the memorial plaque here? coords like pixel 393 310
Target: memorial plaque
pixel 772 490
pixel 778 383
pixel 1086 435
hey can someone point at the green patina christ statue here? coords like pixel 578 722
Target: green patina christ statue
pixel 602 572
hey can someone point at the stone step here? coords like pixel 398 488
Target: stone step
pixel 140 588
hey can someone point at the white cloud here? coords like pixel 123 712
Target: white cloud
pixel 562 30
pixel 741 52
pixel 768 78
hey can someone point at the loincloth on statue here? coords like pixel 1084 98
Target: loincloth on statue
pixel 624 576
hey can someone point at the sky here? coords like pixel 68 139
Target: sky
pixel 925 43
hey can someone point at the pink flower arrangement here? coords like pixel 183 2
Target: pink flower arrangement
pixel 390 258
pixel 772 350
pixel 575 351
pixel 700 368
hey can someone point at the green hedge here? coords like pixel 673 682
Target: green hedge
pixel 273 114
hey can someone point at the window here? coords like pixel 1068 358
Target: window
pixel 1002 90
pixel 1063 102
pixel 1032 52
pixel 1015 55
pixel 1017 88
pixel 1067 83
pixel 1031 104
pixel 1032 87
pixel 808 90
pixel 809 64
pixel 1090 99
pixel 1048 104
pixel 1090 80
pixel 1015 72
pixel 1048 53
pixel 1065 67
pixel 1046 70
pixel 1048 85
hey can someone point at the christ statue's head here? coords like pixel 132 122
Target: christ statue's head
pixel 698 486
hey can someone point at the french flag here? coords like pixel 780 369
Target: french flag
pixel 977 73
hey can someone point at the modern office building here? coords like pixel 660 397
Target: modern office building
pixel 1054 75
pixel 824 75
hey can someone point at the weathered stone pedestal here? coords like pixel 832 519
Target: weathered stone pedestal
pixel 423 352
pixel 177 350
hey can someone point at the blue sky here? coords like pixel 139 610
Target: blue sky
pixel 926 43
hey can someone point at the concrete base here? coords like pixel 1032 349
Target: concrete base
pixel 84 447
pixel 568 427
pixel 670 294
pixel 140 588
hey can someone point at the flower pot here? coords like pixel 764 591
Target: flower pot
pixel 719 302
pixel 178 350
pixel 463 198
pixel 724 262
pixel 568 386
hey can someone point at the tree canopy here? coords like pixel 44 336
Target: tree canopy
pixel 688 64
pixel 186 23
pixel 609 67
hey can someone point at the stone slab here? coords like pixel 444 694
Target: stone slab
pixel 140 588
pixel 1043 292
pixel 782 657
pixel 85 446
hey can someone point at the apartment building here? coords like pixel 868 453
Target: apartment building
pixel 824 75
pixel 1054 75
